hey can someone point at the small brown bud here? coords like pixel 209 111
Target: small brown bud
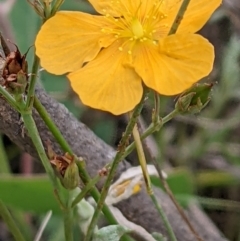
pixel 66 169
pixel 15 72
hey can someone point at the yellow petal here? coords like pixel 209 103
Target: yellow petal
pixel 119 8
pixel 106 84
pixel 69 39
pixel 179 61
pixel 107 7
pixel 141 9
pixel 196 15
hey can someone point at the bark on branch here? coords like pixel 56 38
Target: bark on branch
pixel 138 208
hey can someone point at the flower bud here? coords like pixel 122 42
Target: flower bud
pixel 66 169
pixel 15 73
pixel 20 85
pixel 38 7
pixel 194 99
pixel 71 177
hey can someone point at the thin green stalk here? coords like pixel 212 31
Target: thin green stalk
pixel 142 160
pixel 56 6
pixel 164 218
pixel 9 98
pixel 118 158
pixel 68 222
pixel 170 194
pixel 85 190
pixel 4 165
pixel 96 196
pixel 143 163
pixel 170 116
pixel 155 116
pixel 150 130
pixel 179 17
pixel 30 125
pixel 110 217
pixel 13 228
pixel 51 125
pixel 32 82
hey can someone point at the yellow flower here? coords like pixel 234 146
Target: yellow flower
pixel 109 56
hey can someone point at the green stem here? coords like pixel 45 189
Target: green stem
pixel 32 83
pixel 9 98
pixel 170 116
pixel 179 17
pixel 155 116
pixel 164 218
pixel 142 159
pixel 51 125
pixel 4 165
pixel 118 158
pixel 85 190
pixel 30 125
pixel 33 133
pixel 171 195
pixel 150 130
pixel 56 6
pixel 96 196
pixel 13 228
pixel 68 221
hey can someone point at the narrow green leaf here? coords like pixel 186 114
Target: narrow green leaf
pixel 32 194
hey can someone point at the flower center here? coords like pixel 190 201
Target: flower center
pixel 136 25
pixel 137 28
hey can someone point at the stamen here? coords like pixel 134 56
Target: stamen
pixel 135 27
